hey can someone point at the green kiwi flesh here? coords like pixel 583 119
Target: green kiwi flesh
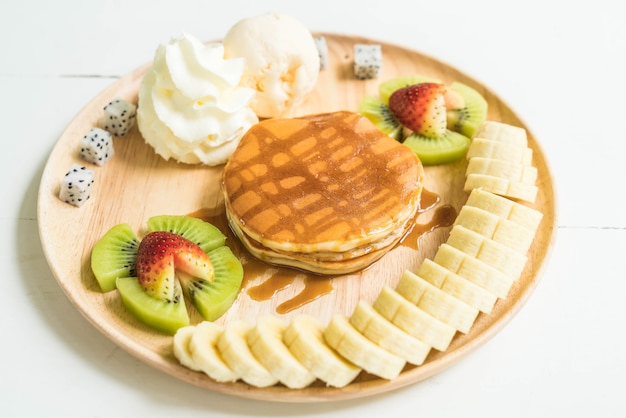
pixel 206 235
pixel 213 298
pixel 468 118
pixel 449 147
pixel 386 88
pixel 114 255
pixel 380 115
pixel 161 315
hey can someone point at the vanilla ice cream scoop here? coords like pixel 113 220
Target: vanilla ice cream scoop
pixel 282 61
pixel 192 107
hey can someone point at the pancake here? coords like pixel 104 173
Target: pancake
pixel 326 193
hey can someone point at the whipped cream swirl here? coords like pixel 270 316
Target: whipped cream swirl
pixel 191 107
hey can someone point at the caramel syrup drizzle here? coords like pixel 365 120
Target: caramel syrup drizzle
pixel 315 286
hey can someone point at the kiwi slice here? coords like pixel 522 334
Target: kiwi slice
pixel 468 118
pixel 210 298
pixel 206 235
pixel 114 255
pixel 449 147
pixel 213 298
pixel 114 260
pixel 163 315
pixel 386 88
pixel 380 115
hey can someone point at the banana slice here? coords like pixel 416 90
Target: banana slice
pixel 181 348
pixel 494 227
pixel 503 132
pixel 457 286
pixel 500 257
pixel 352 345
pixel 413 320
pixel 474 270
pixel 266 343
pixel 234 349
pixel 206 356
pixel 503 169
pixel 436 302
pixel 379 330
pixel 502 187
pixel 508 209
pixel 499 150
pixel 304 336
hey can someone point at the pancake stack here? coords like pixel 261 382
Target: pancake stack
pixel 326 193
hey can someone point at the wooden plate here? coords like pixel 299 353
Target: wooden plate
pixel 137 184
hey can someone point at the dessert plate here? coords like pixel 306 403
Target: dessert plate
pixel 137 184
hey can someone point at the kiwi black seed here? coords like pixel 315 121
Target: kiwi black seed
pixel 468 118
pixel 165 316
pixel 206 235
pixel 213 298
pixel 381 116
pixel 449 147
pixel 114 255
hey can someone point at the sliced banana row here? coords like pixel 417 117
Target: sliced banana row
pixel 500 161
pixel 268 352
pixel 485 253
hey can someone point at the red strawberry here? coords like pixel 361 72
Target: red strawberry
pixel 421 108
pixel 161 255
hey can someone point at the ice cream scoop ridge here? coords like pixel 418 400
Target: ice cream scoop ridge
pixel 191 106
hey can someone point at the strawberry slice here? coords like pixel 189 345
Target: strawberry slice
pixel 421 108
pixel 163 256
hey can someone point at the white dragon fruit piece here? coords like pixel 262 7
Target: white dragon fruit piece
pixel 322 49
pixel 97 146
pixel 119 116
pixel 76 185
pixel 368 61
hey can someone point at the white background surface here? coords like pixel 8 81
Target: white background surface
pixel 560 67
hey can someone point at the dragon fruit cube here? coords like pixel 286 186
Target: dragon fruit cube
pixel 322 49
pixel 119 116
pixel 97 146
pixel 76 185
pixel 368 61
